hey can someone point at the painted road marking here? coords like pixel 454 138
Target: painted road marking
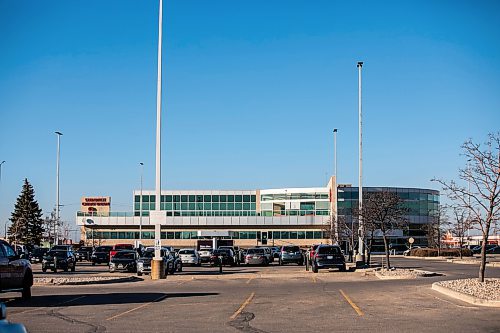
pixel 354 306
pixel 138 307
pixel 249 280
pixel 314 279
pixel 248 300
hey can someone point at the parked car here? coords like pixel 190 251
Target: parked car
pixel 100 255
pixel 119 247
pixel 256 256
pixel 144 262
pixel 236 253
pixel 478 249
pixel 328 256
pixel 5 326
pixel 84 253
pixel 16 273
pixel 494 250
pixel 59 259
pixel 124 260
pixel 21 250
pixel 190 257
pixel 38 254
pixel 205 255
pixel 268 252
pixel 64 248
pixel 290 254
pixel 224 254
pixel 175 255
pixel 275 250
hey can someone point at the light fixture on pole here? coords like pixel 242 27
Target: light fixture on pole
pixel 140 209
pixel 360 257
pixel 1 170
pixel 56 240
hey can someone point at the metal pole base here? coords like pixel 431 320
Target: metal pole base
pixel 360 261
pixel 158 269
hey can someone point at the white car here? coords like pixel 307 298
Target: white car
pixel 190 257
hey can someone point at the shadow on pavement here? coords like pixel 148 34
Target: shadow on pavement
pixel 97 299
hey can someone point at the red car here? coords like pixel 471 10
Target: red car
pixel 119 247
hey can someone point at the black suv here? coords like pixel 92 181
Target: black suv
pixel 84 253
pixel 38 254
pixel 100 255
pixel 59 259
pixel 16 273
pixel 124 260
pixel 328 256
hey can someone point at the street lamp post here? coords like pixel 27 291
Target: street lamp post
pixel 0 184
pixel 56 240
pixel 360 257
pixel 140 209
pixel 336 216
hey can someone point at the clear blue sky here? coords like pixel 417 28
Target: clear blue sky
pixel 252 92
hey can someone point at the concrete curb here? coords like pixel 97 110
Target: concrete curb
pixel 79 283
pixel 421 273
pixel 464 297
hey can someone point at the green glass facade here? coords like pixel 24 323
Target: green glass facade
pixel 198 205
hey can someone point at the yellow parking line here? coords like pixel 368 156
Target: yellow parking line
pixel 247 301
pixel 137 308
pixel 353 305
pixel 314 279
pixel 249 280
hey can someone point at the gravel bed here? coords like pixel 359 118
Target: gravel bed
pixel 401 272
pixel 488 290
pixel 77 280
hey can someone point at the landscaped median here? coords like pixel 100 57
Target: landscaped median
pixel 472 291
pixel 402 273
pixel 44 281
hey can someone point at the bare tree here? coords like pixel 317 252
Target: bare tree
pixel 460 224
pixel 386 212
pixel 481 196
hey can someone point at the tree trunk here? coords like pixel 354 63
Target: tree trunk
pixel 482 266
pixel 369 249
pixel 386 246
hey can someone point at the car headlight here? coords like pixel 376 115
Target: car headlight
pixel 44 261
pixel 111 264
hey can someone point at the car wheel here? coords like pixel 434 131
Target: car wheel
pixel 93 263
pixel 55 270
pixel 314 268
pixel 139 274
pixel 342 268
pixel 66 268
pixel 44 269
pixel 301 263
pixel 26 293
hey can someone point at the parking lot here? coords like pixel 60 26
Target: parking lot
pixel 255 299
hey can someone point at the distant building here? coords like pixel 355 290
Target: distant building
pixel 255 217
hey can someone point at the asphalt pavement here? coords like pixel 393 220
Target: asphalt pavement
pixel 257 299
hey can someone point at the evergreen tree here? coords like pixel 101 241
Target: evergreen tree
pixel 27 223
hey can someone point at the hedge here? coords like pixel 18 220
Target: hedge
pixel 427 252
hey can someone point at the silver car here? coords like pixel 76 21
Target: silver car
pixel 256 256
pixel 190 257
pixel 291 254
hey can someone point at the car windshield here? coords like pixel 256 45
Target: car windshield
pixel 291 248
pixel 103 249
pixel 186 252
pixel 255 251
pixel 328 250
pixel 221 252
pixel 124 255
pixel 58 254
pixel 85 249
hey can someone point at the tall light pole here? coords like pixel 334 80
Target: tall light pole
pixel 336 216
pixel 56 240
pixel 157 268
pixel 360 257
pixel 140 209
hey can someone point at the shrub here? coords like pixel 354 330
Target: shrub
pixel 428 252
